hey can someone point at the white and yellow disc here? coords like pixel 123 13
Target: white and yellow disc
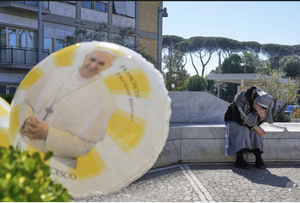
pixel 135 133
pixel 4 122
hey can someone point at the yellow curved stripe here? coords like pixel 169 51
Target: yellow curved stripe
pixel 117 51
pixel 89 165
pixel 3 138
pixel 4 110
pixel 13 121
pixel 34 74
pixel 126 130
pixel 131 82
pixel 65 56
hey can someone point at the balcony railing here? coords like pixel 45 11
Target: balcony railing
pixel 21 55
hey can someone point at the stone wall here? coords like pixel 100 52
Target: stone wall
pixel 197 133
pixel 196 107
pixel 206 143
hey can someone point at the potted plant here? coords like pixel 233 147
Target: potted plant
pixel 26 178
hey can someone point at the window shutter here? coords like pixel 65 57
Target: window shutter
pixel 120 7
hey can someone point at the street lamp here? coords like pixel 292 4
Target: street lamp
pixel 164 14
pixel 172 86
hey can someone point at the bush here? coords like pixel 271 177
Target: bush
pixel 25 178
pixel 280 117
pixel 7 97
pixel 197 83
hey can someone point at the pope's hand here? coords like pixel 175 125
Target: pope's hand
pixel 35 129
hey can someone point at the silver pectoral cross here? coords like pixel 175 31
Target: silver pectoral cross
pixel 48 110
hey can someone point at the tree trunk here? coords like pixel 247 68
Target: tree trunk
pixel 283 108
pixel 194 64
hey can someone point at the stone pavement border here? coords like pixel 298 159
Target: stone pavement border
pixel 212 182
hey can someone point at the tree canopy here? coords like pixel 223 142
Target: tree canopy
pixel 203 48
pixel 290 65
pixel 232 64
pixel 197 83
pixel 283 91
pixel 176 74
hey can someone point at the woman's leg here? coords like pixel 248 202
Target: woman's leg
pixel 258 160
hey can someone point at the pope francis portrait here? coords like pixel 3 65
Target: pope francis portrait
pixel 67 110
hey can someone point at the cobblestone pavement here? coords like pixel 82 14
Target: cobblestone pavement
pixel 221 182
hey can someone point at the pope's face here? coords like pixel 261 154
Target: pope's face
pixel 95 62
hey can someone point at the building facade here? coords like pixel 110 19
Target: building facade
pixel 19 30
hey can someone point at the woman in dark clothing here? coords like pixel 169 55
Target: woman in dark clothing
pixel 249 109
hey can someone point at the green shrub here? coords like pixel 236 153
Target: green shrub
pixel 7 97
pixel 197 83
pixel 26 178
pixel 280 117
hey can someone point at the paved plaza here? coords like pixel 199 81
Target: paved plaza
pixel 215 182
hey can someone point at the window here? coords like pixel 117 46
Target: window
pixel 96 5
pixel 2 89
pixel 99 6
pixel 8 89
pixel 45 4
pixel 48 44
pixel 22 38
pixel 31 3
pixel 3 36
pixel 11 89
pixel 30 39
pixel 119 7
pixel 12 40
pixel 59 44
pixel 17 38
pixel 69 40
pixel 56 39
pixel 126 8
pixel 130 8
pixel 86 4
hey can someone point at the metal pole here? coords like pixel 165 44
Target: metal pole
pixel 39 31
pixel 158 33
pixel 219 73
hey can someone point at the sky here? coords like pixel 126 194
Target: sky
pixel 265 22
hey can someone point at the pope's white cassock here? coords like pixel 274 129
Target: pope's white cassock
pixel 77 111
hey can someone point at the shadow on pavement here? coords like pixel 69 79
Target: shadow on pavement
pixel 255 175
pixel 259 176
pixel 263 176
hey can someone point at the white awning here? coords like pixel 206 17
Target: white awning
pixel 244 79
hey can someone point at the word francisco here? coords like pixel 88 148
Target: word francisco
pixel 63 174
pixel 135 88
pixel 54 171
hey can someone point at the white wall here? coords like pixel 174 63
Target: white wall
pixel 93 15
pixel 16 20
pixel 62 9
pixel 122 21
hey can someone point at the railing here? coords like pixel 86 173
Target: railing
pixel 21 55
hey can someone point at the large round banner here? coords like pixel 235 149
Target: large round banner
pixel 4 122
pixel 103 111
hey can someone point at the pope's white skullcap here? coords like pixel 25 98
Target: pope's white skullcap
pixel 106 51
